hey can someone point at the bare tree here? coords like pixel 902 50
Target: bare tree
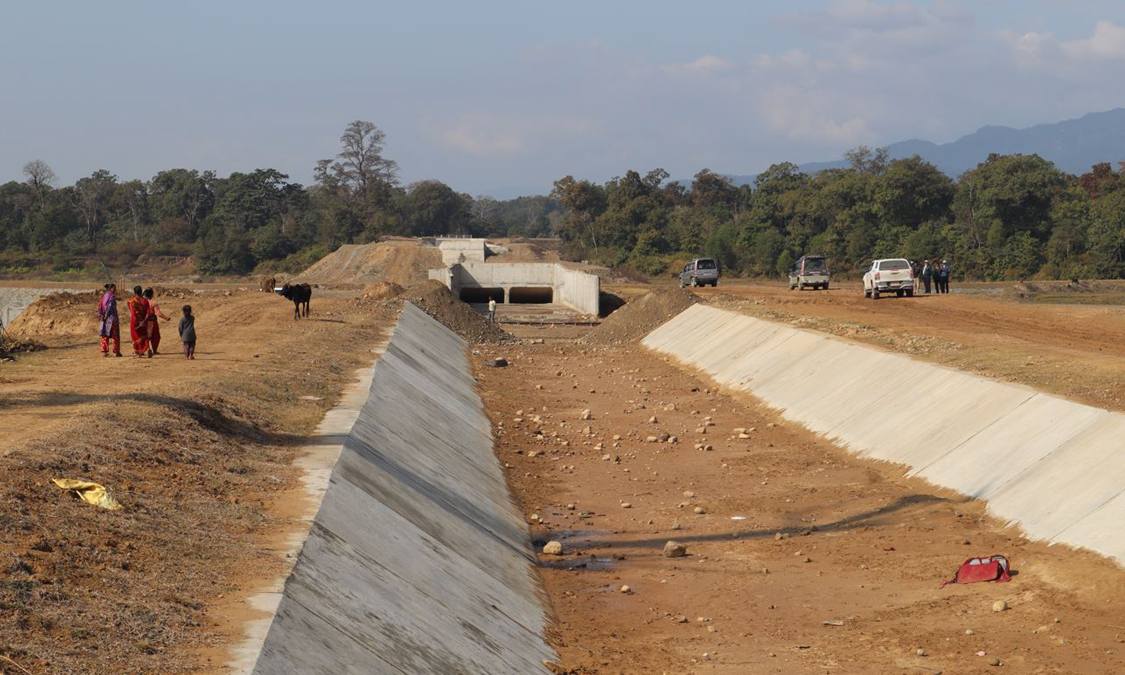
pixel 360 166
pixel 39 175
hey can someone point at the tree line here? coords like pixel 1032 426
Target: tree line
pixel 246 221
pixel 1011 217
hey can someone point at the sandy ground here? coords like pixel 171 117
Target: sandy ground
pixel 200 454
pixel 803 559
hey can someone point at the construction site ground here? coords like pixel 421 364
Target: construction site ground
pixel 804 559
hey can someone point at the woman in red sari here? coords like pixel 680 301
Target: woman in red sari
pixel 139 311
pixel 153 321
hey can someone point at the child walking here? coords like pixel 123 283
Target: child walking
pixel 187 333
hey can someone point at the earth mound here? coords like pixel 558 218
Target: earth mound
pixel 433 298
pixel 641 316
pixel 399 262
pixel 59 315
pixel 383 290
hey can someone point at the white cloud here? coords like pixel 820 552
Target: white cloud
pixel 815 116
pixel 1107 43
pixel 707 64
pixel 497 135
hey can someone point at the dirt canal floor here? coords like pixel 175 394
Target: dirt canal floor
pixel 800 558
pixel 198 453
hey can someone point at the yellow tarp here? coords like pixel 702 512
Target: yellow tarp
pixel 91 493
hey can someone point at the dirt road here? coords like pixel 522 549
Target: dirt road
pixel 200 455
pixel 801 558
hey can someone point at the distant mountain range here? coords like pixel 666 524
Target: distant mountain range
pixel 1074 146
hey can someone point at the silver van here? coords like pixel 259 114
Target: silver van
pixel 700 272
pixel 810 271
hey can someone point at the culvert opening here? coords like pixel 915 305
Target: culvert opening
pixel 477 295
pixel 532 295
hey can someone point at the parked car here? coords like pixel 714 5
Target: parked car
pixel 885 276
pixel 810 271
pixel 700 272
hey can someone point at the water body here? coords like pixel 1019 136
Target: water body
pixel 14 300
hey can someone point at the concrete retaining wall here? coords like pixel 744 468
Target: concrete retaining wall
pixel 580 290
pixel 417 561
pixel 1055 467
pixel 573 288
pixel 462 250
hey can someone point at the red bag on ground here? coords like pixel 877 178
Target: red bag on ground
pixel 993 568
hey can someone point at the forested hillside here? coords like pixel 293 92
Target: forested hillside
pixel 1011 217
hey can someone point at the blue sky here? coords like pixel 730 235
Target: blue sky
pixel 502 98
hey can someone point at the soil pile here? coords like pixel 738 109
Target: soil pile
pixel 641 316
pixel 400 262
pixel 59 315
pixel 434 299
pixel 384 290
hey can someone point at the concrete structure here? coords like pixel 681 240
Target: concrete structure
pixel 457 250
pixel 540 283
pixel 417 561
pixel 1052 466
pixel 316 462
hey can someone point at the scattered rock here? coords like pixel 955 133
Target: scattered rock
pixel 553 548
pixel 496 363
pixel 994 661
pixel 674 549
pixel 625 589
pixel 586 415
pixel 700 510
pixel 1000 606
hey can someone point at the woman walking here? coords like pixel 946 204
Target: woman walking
pixel 110 322
pixel 153 323
pixel 138 323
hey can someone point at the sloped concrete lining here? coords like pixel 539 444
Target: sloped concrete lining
pixel 1052 466
pixel 417 561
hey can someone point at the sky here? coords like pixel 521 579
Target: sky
pixel 502 98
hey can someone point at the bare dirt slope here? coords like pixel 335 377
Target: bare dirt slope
pixel 1077 351
pixel 801 558
pixel 403 262
pixel 198 453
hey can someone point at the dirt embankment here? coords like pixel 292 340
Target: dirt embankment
pixel 199 455
pixel 402 262
pixel 434 299
pixel 641 316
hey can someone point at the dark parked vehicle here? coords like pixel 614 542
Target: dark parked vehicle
pixel 700 272
pixel 810 271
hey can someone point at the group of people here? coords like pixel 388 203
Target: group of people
pixel 144 326
pixel 935 275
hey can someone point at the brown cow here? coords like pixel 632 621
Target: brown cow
pixel 268 284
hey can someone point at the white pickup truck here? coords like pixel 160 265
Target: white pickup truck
pixel 885 276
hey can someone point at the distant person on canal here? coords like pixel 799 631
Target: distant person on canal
pixel 153 322
pixel 187 333
pixel 491 309
pixel 139 311
pixel 110 322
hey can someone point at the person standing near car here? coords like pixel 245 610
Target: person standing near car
pixel 916 274
pixel 927 275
